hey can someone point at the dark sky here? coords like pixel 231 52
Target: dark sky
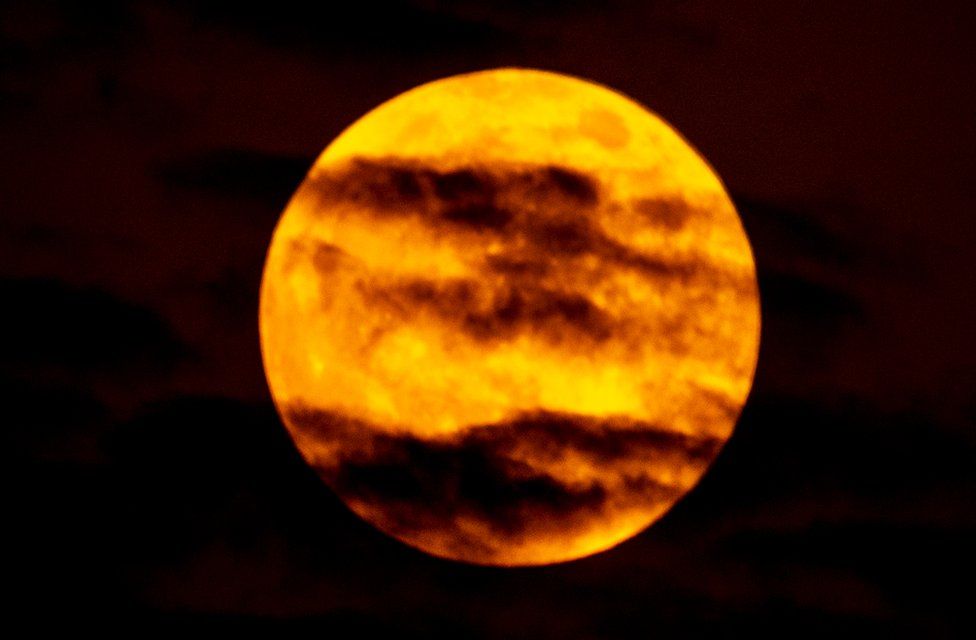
pixel 148 149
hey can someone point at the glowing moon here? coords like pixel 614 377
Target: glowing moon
pixel 510 317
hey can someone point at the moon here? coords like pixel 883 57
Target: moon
pixel 510 317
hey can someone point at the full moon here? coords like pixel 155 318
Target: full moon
pixel 510 317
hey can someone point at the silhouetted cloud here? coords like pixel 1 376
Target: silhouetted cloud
pixel 204 505
pixel 488 313
pixel 806 300
pixel 49 323
pixel 536 210
pixel 811 281
pixel 237 173
pixel 495 474
pixel 793 233
pixel 44 421
pixel 397 186
pixel 373 25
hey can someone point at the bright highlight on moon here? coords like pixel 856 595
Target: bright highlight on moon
pixel 510 317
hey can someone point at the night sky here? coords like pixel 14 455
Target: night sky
pixel 148 150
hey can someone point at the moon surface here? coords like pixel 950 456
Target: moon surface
pixel 510 317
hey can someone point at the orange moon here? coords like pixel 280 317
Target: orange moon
pixel 510 317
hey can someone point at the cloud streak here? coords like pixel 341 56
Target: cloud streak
pixel 510 481
pixel 542 214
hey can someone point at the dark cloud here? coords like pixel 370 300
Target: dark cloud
pixel 50 422
pixel 518 267
pixel 567 236
pixel 418 486
pixel 63 27
pixel 383 186
pixel 47 323
pixel 394 186
pixel 535 210
pixel 236 173
pixel 233 292
pixel 191 454
pixel 536 247
pixel 667 214
pixel 809 279
pixel 478 216
pixel 492 313
pixel 461 184
pixel 171 482
pixel 400 26
pixel 807 490
pixel 812 487
pixel 206 506
pixel 342 621
pixel 794 233
pixel 493 473
pixel 602 440
pixel 572 185
pixel 806 300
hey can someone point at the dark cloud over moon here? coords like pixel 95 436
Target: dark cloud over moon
pixel 489 314
pixel 394 185
pixel 546 245
pixel 539 211
pixel 504 476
